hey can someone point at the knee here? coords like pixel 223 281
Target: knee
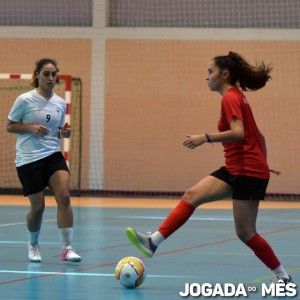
pixel 38 210
pixel 244 234
pixel 194 197
pixel 189 195
pixel 63 200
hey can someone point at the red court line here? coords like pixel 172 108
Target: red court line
pixel 223 241
pixel 158 254
pixel 97 249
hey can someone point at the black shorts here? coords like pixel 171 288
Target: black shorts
pixel 35 176
pixel 243 187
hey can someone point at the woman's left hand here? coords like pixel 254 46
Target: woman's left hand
pixel 65 132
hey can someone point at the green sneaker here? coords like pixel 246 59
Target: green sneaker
pixel 141 241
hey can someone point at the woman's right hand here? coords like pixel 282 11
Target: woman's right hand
pixel 40 129
pixel 193 141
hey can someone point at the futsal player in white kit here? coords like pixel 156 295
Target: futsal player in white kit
pixel 37 119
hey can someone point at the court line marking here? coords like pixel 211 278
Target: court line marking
pixel 192 218
pixel 86 274
pixel 243 254
pixel 24 222
pixel 264 278
pixel 26 242
pixel 225 241
pixel 227 219
pixel 158 254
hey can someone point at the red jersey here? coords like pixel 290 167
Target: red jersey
pixel 244 157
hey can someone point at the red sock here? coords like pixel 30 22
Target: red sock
pixel 177 217
pixel 263 251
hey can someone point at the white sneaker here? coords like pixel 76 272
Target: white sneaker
pixel 69 254
pixel 34 253
pixel 280 279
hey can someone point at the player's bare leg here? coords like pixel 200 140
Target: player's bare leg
pixel 60 185
pixel 34 220
pixel 207 190
pixel 245 215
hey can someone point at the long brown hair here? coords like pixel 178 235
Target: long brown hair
pixel 39 66
pixel 242 74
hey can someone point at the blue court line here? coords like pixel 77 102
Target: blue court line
pixel 85 274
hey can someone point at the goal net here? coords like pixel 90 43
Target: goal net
pixel 11 86
pixel 143 65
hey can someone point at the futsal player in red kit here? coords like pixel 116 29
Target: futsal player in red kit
pixel 245 176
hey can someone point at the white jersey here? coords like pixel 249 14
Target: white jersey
pixel 32 108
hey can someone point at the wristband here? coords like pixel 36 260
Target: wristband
pixel 208 138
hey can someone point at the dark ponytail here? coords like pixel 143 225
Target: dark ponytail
pixel 246 76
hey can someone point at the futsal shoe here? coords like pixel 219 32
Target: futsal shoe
pixel 69 254
pixel 141 241
pixel 280 279
pixel 34 253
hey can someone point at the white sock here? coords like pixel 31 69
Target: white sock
pixel 33 237
pixel 66 236
pixel 157 238
pixel 281 270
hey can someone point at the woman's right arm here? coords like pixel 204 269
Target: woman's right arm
pixel 17 127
